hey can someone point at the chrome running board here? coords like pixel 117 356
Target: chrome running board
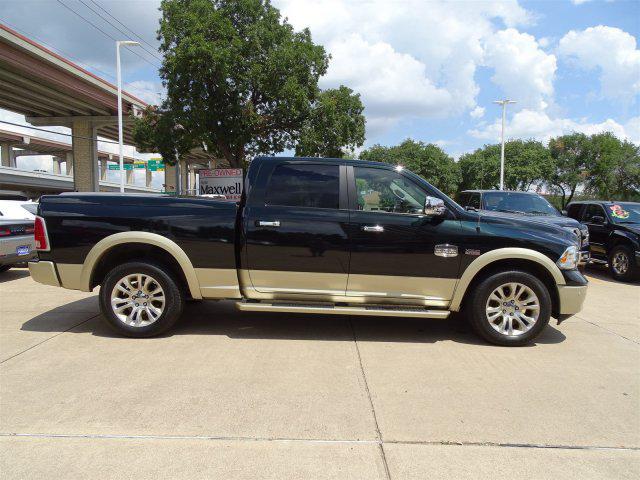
pixel 329 309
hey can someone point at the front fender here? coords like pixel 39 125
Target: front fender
pixel 501 254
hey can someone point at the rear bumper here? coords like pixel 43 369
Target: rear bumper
pixel 571 298
pixel 44 272
pixel 13 259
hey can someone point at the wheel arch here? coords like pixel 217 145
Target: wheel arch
pixel 108 244
pixel 508 259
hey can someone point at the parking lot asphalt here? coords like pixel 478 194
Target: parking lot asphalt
pixel 281 396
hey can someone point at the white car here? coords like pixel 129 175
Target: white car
pixel 17 243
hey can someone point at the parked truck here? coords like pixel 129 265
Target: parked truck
pixel 317 236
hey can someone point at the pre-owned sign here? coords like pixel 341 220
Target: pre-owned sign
pixel 222 181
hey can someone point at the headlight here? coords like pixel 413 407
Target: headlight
pixel 569 259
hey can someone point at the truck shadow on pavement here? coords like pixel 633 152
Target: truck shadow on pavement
pixel 601 272
pixel 13 274
pixel 222 318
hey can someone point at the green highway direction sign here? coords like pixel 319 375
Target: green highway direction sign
pixel 153 166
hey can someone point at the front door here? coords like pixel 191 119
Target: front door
pixel 297 230
pixel 598 232
pixel 393 256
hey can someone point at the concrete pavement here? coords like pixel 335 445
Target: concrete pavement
pixel 231 395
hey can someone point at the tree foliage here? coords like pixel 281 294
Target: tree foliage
pixel 425 159
pixel 571 159
pixel 239 79
pixel 335 126
pixel 526 161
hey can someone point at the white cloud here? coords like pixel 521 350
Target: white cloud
pixel 539 125
pixel 425 51
pixel 613 52
pixel 392 84
pixel 477 112
pixel 579 2
pixel 522 69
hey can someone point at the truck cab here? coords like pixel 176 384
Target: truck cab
pixel 310 235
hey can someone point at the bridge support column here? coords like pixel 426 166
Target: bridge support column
pixel 184 178
pixel 170 178
pixel 69 163
pixel 85 156
pixel 129 179
pixel 193 181
pixel 147 175
pixel 104 166
pixel 7 156
pixel 56 165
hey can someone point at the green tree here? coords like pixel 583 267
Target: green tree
pixel 239 79
pixel 425 159
pixel 335 127
pixel 526 162
pixel 614 168
pixel 571 161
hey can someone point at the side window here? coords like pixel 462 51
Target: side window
pixel 593 210
pixel 387 191
pixel 316 186
pixel 474 201
pixel 574 211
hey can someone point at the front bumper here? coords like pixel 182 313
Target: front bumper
pixel 585 257
pixel 571 299
pixel 44 272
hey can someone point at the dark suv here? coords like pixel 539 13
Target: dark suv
pixel 527 204
pixel 614 229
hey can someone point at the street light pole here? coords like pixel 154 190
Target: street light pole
pixel 504 104
pixel 119 81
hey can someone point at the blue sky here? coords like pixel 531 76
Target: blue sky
pixel 428 70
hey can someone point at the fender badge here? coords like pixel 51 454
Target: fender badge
pixel 446 250
pixel 472 251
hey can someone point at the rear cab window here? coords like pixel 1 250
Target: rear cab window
pixel 304 185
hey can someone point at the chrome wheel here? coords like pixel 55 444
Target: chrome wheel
pixel 620 263
pixel 137 300
pixel 512 309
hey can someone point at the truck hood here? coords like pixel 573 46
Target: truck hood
pixel 555 228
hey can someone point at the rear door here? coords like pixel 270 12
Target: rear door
pixel 393 256
pixel 296 223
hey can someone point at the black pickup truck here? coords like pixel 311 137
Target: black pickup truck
pixel 310 235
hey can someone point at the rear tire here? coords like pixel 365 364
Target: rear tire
pixel 622 264
pixel 4 268
pixel 510 308
pixel 140 299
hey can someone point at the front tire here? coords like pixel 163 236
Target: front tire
pixel 510 308
pixel 139 299
pixel 622 264
pixel 4 268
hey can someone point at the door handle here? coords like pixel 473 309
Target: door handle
pixel 263 223
pixel 373 228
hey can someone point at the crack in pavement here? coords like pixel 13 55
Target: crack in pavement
pixel 223 438
pixel 606 329
pixel 373 410
pixel 48 338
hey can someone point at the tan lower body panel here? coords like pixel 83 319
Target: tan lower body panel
pixel 70 275
pixel 330 310
pixel 218 282
pixel 365 289
pixel 571 298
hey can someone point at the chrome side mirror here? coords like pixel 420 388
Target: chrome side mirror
pixel 434 207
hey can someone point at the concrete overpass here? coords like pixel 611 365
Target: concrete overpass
pixel 53 91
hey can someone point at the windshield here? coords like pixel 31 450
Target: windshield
pixel 516 202
pixel 624 212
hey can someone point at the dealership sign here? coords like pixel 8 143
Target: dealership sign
pixel 222 181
